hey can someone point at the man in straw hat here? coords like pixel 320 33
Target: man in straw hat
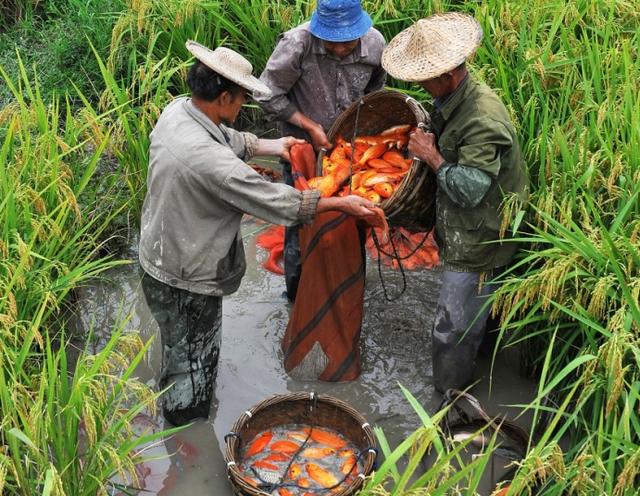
pixel 473 151
pixel 315 72
pixel 191 248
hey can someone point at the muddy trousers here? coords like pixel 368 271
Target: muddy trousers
pixel 459 328
pixel 190 335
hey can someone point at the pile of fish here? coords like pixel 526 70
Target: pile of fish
pixel 376 165
pixel 413 250
pixel 267 172
pixel 272 240
pixel 297 460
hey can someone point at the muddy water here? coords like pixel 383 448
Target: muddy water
pixel 395 350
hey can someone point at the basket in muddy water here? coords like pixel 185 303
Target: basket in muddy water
pixel 305 409
pixel 412 205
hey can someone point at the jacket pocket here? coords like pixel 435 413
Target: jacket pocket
pixel 466 240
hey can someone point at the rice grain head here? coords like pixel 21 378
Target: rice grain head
pixel 628 477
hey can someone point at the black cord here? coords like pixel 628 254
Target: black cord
pixel 353 141
pixel 398 257
pixel 404 277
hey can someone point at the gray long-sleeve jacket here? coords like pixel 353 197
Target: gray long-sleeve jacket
pixel 303 76
pixel 198 187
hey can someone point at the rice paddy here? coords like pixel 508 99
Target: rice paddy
pixel 73 161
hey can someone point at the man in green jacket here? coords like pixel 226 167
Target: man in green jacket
pixel 473 150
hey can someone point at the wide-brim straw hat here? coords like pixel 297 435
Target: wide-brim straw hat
pixel 432 46
pixel 231 65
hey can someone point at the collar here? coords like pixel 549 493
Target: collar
pixel 447 105
pixel 217 132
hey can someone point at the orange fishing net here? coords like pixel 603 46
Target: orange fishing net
pixel 323 335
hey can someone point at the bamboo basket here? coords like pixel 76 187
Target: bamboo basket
pixel 412 205
pixel 298 408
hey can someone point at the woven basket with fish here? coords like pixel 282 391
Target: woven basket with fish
pixel 299 444
pixel 411 203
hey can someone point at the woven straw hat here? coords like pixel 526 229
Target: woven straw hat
pixel 432 46
pixel 231 65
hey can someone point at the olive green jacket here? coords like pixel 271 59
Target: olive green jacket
pixel 483 165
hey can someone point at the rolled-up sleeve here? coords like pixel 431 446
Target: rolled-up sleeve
pixel 282 71
pixel 243 144
pixel 467 181
pixel 247 191
pixel 465 186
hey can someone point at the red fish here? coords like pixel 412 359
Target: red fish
pixel 284 446
pixel 265 465
pixel 298 435
pixel 258 444
pixel 375 151
pixel 277 457
pixel 303 482
pixel 346 453
pixel 349 465
pixel 373 196
pixel 295 471
pixel 385 190
pixel 320 475
pixel 317 452
pixel 379 163
pixel 271 263
pixel 251 481
pixel 329 438
pixel 400 129
pixel 395 158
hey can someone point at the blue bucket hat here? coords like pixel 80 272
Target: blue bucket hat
pixel 339 20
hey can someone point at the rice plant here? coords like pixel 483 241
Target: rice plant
pixel 62 431
pixel 408 469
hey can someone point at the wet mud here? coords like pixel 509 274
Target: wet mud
pixel 395 343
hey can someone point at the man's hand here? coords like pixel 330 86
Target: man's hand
pixel 313 129
pixel 287 142
pixel 351 205
pixel 423 145
pixel 318 137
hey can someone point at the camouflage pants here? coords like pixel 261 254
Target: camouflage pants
pixel 459 328
pixel 190 332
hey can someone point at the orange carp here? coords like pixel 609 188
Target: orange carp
pixel 320 475
pixel 258 444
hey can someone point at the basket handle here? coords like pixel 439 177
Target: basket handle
pixel 375 453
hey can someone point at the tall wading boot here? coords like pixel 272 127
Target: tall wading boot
pixel 458 328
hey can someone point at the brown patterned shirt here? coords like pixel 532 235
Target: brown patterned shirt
pixel 305 77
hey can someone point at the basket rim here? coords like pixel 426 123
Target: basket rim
pixel 230 441
pixel 418 167
pixel 421 114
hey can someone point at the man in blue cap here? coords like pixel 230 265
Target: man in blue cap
pixel 316 71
